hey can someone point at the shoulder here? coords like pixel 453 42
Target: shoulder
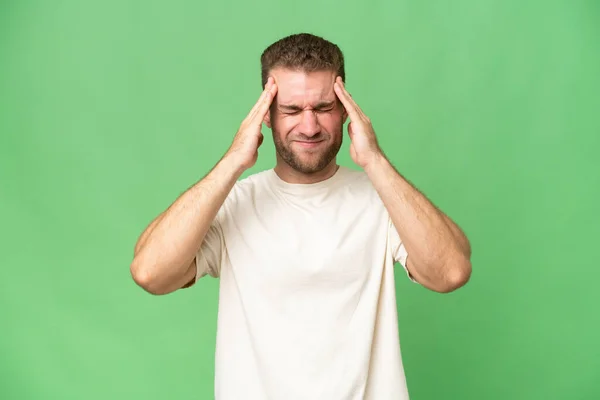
pixel 360 191
pixel 249 195
pixel 358 180
pixel 354 176
pixel 252 182
pixel 249 188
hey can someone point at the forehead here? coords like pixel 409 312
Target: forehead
pixel 302 88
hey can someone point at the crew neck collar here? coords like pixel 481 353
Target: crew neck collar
pixel 306 188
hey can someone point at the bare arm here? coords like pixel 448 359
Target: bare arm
pixel 164 255
pixel 164 258
pixel 438 252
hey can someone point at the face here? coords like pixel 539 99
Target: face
pixel 306 119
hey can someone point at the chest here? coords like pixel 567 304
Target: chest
pixel 296 247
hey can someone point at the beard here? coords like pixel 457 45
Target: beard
pixel 309 161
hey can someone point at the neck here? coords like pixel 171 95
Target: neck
pixel 290 175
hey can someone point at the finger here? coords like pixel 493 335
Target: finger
pixel 349 104
pixel 263 105
pixel 262 96
pixel 351 99
pixel 359 110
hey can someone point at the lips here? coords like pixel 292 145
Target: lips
pixel 308 145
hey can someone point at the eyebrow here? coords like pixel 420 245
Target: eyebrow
pixel 318 106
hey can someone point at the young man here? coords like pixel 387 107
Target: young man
pixel 304 251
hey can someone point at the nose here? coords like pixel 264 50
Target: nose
pixel 309 126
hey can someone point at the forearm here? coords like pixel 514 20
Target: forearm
pixel 439 252
pixel 167 247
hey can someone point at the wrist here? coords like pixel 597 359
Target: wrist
pixel 376 161
pixel 231 164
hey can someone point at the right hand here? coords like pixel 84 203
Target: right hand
pixel 248 139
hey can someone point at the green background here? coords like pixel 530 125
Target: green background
pixel 110 109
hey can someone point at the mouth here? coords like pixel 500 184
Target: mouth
pixel 308 145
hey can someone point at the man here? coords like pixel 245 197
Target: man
pixel 304 251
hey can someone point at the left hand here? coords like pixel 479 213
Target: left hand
pixel 364 147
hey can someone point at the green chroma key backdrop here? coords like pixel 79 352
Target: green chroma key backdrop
pixel 110 109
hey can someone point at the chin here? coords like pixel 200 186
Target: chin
pixel 309 168
pixel 305 161
pixel 306 170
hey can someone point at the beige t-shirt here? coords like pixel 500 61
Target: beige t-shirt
pixel 307 304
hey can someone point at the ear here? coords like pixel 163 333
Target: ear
pixel 267 119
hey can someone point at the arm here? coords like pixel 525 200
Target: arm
pixel 164 255
pixel 439 252
pixel 164 258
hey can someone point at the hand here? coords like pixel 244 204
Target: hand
pixel 244 149
pixel 364 147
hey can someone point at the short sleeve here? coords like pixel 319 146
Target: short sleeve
pixel 210 254
pixel 397 248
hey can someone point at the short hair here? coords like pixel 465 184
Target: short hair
pixel 302 52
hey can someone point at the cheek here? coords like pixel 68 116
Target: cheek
pixel 332 122
pixel 285 123
pixel 281 127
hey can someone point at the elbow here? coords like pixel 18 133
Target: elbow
pixel 458 274
pixel 142 276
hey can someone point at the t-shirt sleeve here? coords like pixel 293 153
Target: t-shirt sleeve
pixel 397 248
pixel 210 254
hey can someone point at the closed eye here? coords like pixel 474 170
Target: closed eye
pixel 322 110
pixel 319 110
pixel 322 107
